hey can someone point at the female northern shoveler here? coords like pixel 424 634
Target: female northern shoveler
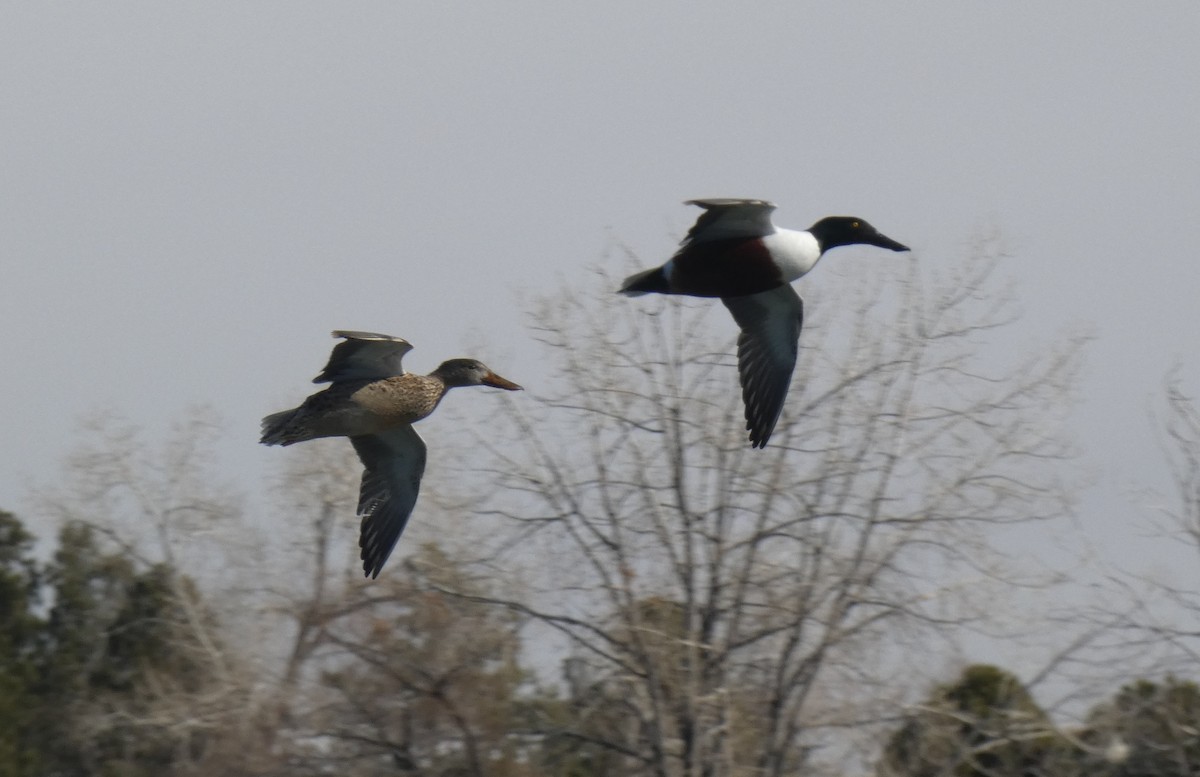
pixel 374 402
pixel 734 252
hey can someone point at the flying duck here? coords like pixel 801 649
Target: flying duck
pixel 734 252
pixel 374 402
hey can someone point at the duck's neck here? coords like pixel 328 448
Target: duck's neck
pixel 446 382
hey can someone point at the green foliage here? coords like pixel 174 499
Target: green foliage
pixel 985 690
pixel 19 632
pixel 987 725
pixel 88 590
pixel 74 696
pixel 983 725
pixel 1155 727
pixel 119 639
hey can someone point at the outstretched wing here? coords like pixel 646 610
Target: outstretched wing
pixel 394 462
pixel 767 348
pixel 726 218
pixel 364 356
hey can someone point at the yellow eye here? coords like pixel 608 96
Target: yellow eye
pixel 855 224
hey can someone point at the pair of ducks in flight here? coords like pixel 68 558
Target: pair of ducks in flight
pixel 733 252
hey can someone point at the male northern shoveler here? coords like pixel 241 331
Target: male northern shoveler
pixel 734 252
pixel 374 402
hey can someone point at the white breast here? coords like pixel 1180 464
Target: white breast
pixel 794 251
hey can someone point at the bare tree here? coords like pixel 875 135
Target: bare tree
pixel 156 502
pixel 421 681
pixel 726 608
pixel 387 675
pixel 1144 623
pixel 1149 618
pixel 1183 455
pixel 316 497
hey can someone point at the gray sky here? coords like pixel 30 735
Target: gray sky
pixel 194 194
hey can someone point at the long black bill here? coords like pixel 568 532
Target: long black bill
pixel 883 241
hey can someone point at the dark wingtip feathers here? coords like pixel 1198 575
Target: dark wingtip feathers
pixel 374 549
pixel 645 282
pixel 275 428
pixel 760 429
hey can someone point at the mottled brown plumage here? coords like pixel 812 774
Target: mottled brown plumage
pixel 374 402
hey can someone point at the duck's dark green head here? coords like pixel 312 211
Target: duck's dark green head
pixel 834 231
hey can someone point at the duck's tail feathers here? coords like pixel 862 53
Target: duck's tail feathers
pixel 645 282
pixel 275 428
